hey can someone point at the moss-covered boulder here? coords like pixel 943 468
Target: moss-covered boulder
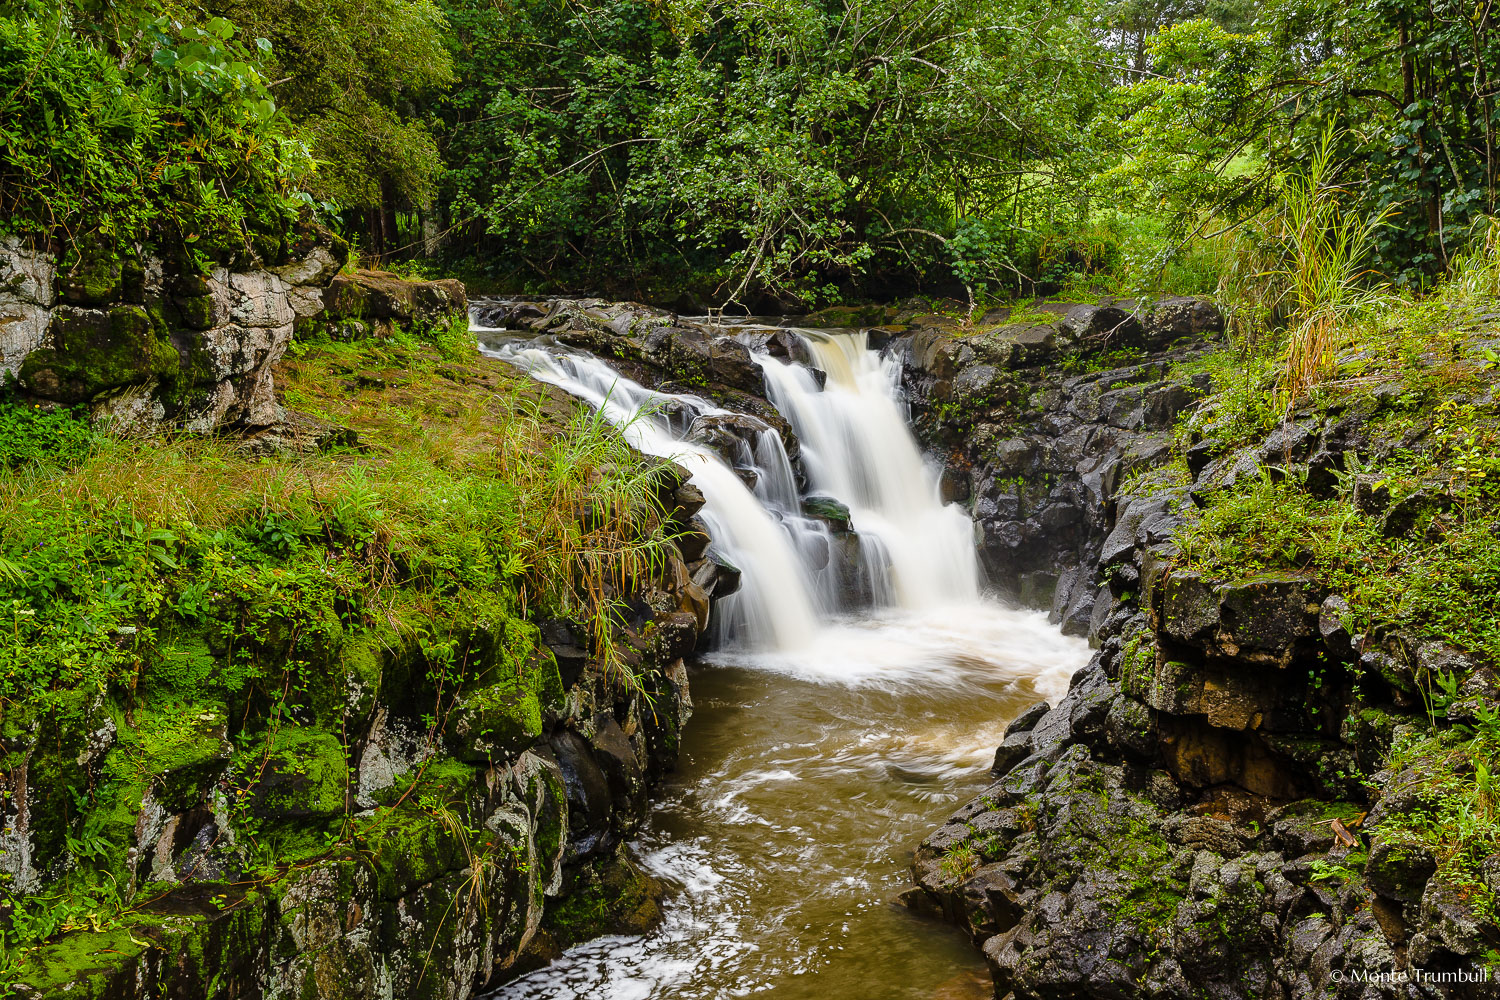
pixel 303 775
pixel 373 303
pixel 504 719
pixel 180 753
pixel 96 350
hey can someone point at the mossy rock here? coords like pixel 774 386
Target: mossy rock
pixel 185 784
pixel 547 798
pixel 828 510
pixel 1398 870
pixel 504 719
pixel 196 311
pixel 608 896
pixel 305 776
pixel 94 281
pixel 53 766
pixel 180 946
pixel 356 681
pixel 1369 731
pixel 95 351
pixel 412 848
pixel 185 662
pixel 179 751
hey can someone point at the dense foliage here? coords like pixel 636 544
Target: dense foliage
pixel 809 150
pixel 735 150
pixel 124 129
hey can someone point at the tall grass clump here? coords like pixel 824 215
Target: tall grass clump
pixel 1294 275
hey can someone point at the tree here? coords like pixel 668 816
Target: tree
pixel 1409 83
pixel 803 150
pixel 354 78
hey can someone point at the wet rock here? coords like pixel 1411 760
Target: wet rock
pixel 1130 729
pixel 1398 871
pixel 1453 920
pixel 590 801
pixel 1015 748
pixel 828 510
pixel 1027 720
pixel 1190 608
pixel 1480 690
pixel 1403 516
pixel 1264 620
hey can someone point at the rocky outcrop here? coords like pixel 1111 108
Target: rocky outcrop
pixel 376 303
pixel 1039 423
pixel 465 844
pixel 1211 810
pixel 146 344
pixel 670 353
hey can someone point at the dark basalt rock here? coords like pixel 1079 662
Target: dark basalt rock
pixel 589 797
pixel 1180 824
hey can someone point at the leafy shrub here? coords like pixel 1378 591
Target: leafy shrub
pixel 32 435
pixel 175 144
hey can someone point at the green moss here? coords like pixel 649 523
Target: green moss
pixel 184 663
pixel 549 797
pixel 196 311
pixel 94 352
pixel 179 750
pixel 237 618
pixel 304 775
pixel 609 895
pixel 207 952
pixel 412 847
pixel 93 281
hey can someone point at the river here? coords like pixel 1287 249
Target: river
pixel 830 734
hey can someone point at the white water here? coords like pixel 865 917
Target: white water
pixel 856 446
pixel 929 626
pixel 775 606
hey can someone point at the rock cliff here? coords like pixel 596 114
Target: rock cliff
pixel 1240 796
pixel 145 343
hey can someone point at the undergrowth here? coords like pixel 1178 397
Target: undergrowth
pixel 222 615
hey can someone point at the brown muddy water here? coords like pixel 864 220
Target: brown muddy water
pixel 804 784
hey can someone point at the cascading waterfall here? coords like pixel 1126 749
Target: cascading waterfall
pixel 856 447
pixel 915 552
pixel 758 532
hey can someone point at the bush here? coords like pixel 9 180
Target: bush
pixel 174 143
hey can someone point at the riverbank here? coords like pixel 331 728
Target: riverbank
pixel 1273 776
pixel 357 702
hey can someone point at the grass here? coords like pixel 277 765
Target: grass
pixel 209 607
pixel 1413 369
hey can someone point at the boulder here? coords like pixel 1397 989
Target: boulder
pixel 373 303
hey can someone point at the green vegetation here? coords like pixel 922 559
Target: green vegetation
pixel 1454 815
pixel 216 615
pixel 959 862
pixel 123 126
pixel 758 152
pixel 1403 531
pixel 1400 524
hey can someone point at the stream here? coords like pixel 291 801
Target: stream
pixel 856 692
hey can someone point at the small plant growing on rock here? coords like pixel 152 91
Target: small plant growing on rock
pixel 959 863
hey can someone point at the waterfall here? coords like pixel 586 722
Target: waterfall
pixel 857 448
pixel 914 553
pixel 777 605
